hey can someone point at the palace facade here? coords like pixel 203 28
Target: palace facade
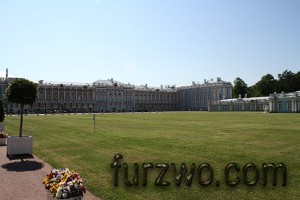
pixel 282 102
pixel 113 96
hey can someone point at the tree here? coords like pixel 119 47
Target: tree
pixel 297 81
pixel 23 92
pixel 2 114
pixel 239 88
pixel 253 91
pixel 287 82
pixel 266 85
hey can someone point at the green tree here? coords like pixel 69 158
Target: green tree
pixel 287 82
pixel 297 81
pixel 239 88
pixel 253 91
pixel 266 85
pixel 23 92
pixel 2 114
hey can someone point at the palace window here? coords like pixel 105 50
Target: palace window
pixel 279 106
pixel 289 105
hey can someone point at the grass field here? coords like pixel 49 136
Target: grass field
pixel 172 137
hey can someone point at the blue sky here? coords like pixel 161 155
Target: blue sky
pixel 158 42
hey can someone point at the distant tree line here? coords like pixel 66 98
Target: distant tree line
pixel 286 82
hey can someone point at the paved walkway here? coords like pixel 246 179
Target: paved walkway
pixel 22 177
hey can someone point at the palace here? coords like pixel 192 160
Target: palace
pixel 282 103
pixel 113 96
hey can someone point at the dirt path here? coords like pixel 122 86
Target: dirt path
pixel 22 177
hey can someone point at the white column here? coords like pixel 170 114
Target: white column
pixel 271 106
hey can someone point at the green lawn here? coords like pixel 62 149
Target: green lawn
pixel 172 137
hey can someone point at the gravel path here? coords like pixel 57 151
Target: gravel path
pixel 22 177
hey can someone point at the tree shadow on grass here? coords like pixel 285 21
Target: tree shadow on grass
pixel 23 166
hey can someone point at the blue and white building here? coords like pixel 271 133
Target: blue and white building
pixel 114 96
pixel 281 103
pixel 198 96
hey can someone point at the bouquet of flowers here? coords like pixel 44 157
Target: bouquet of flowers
pixel 64 183
pixel 3 134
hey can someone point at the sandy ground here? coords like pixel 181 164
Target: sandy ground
pixel 21 178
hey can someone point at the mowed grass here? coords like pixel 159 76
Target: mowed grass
pixel 171 137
